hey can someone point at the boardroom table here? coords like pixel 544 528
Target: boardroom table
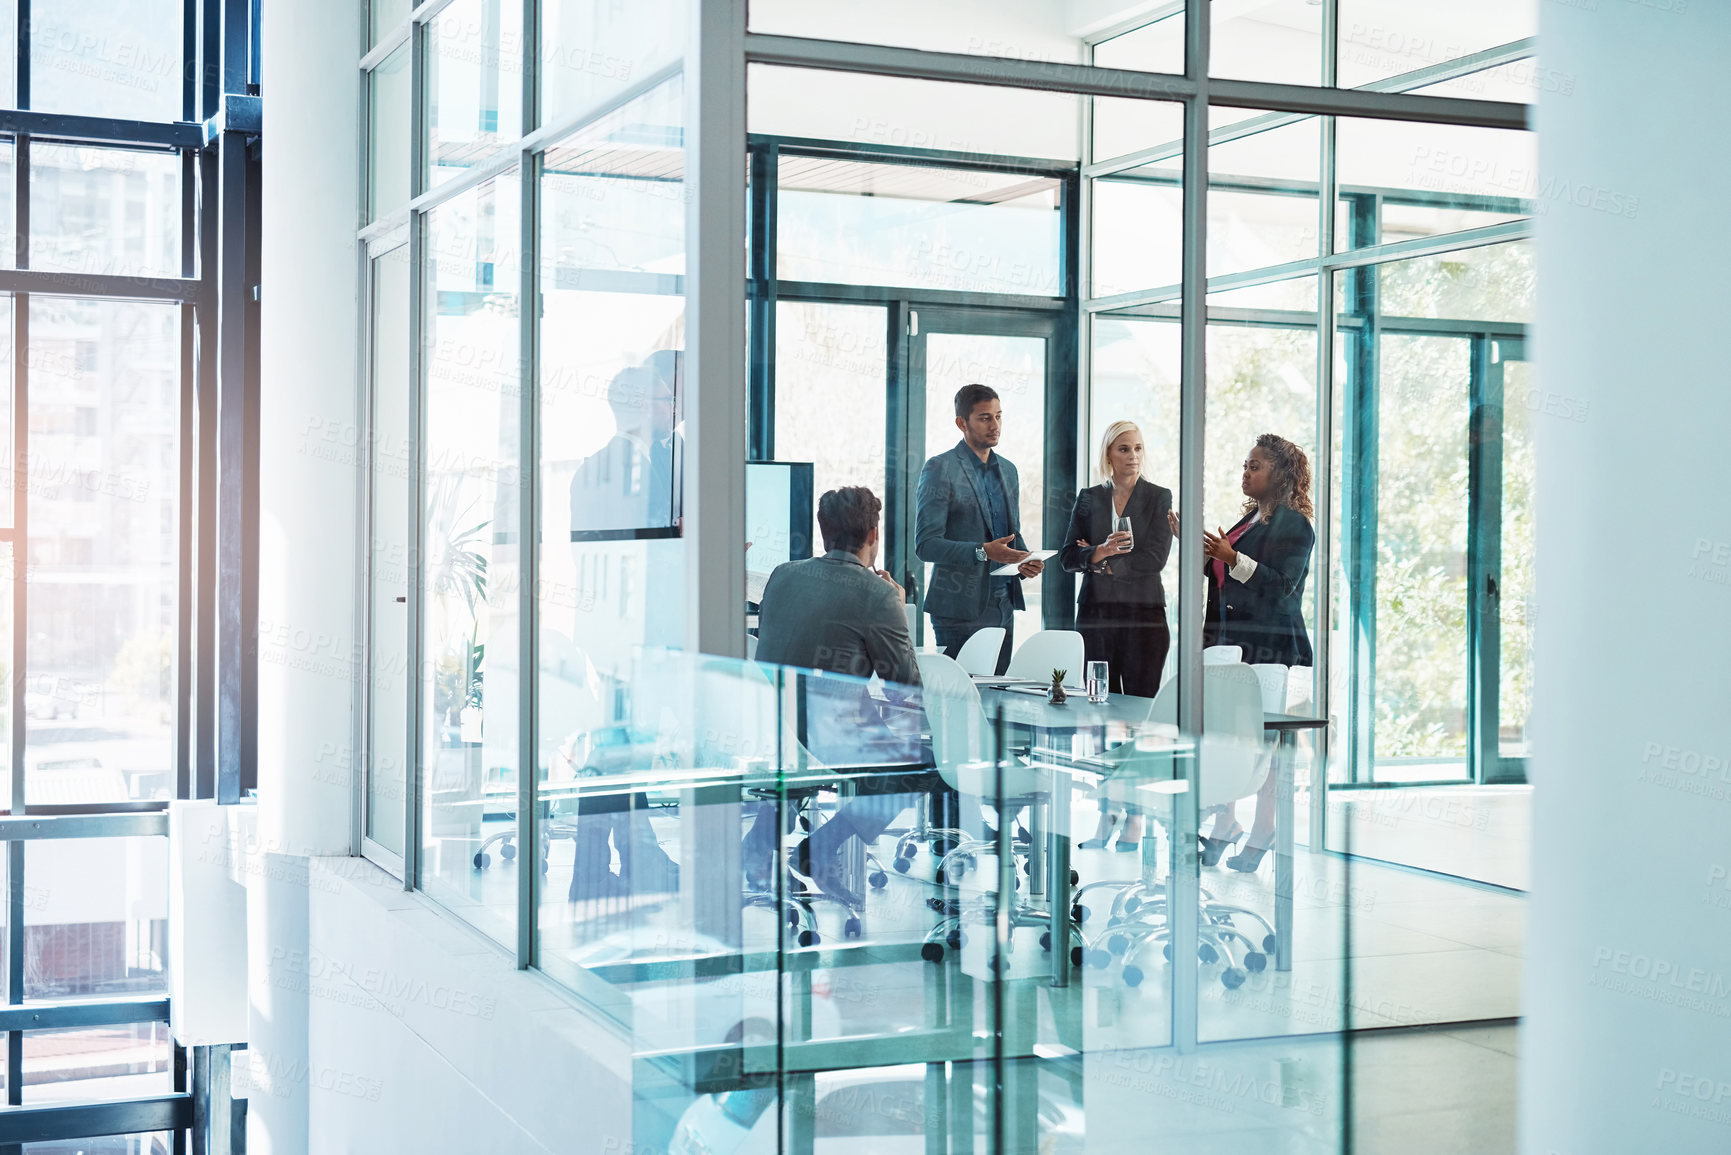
pixel 1031 712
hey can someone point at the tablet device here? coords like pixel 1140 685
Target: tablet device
pixel 1033 555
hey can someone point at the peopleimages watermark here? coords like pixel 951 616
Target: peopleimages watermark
pixel 1691 771
pixel 1661 980
pixel 323 977
pixel 1698 1096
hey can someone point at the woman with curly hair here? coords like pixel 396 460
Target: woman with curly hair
pixel 1255 578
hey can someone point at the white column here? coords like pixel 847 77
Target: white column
pixel 308 494
pixel 1628 971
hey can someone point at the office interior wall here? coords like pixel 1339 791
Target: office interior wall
pixel 425 1037
pixel 1628 983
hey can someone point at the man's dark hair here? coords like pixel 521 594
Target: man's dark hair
pixel 969 396
pixel 847 517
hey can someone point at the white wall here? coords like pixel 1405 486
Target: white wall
pixel 1627 1045
pixel 425 1037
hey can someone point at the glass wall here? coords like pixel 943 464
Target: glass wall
pixel 960 914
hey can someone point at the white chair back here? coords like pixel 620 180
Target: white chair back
pixel 1222 655
pixel 1234 757
pixel 751 646
pixel 1275 679
pixel 1046 651
pixel 979 654
pixel 961 741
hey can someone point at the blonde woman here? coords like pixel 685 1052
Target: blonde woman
pixel 1121 611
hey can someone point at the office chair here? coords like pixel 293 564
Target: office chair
pixel 979 654
pixel 1049 650
pixel 1233 759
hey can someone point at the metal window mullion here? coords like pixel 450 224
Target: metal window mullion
pixel 22 14
pixel 528 503
pixel 183 614
pixel 764 163
pixel 205 612
pixel 417 421
pixel 412 769
pixel 1329 176
pixel 1184 901
pixel 528 562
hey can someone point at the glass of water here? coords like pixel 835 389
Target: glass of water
pixel 1122 525
pixel 1095 682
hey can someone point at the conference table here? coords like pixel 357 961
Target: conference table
pixel 1033 713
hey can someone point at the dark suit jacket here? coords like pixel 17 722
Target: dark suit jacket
pixel 1266 614
pixel 949 521
pixel 1128 578
pixel 832 613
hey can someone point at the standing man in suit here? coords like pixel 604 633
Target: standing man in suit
pixel 967 522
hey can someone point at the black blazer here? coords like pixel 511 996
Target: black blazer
pixel 1266 614
pixel 1131 578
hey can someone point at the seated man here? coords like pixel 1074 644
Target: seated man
pixel 837 614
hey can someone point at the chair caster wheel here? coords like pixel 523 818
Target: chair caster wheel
pixel 1132 905
pixel 1046 940
pixel 961 939
pixel 1207 953
pixel 1076 956
pixel 1232 978
pixel 1132 976
pixel 1079 913
pixel 935 903
pixel 483 860
pixel 878 879
pixel 1100 959
pixel 1270 943
pixel 1255 962
pixel 793 918
pixel 954 940
pixel 1117 944
pixel 809 938
pixel 992 964
pixel 932 952
pixel 543 866
pixel 850 928
pixel 1075 878
pixel 938 876
pixel 901 865
pixel 507 852
pixel 1166 952
pixel 942 846
pixel 805 824
pixel 907 850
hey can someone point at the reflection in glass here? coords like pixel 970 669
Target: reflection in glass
pixel 1434 178
pixel 95 917
pixel 592 52
pixel 104 456
pixel 1421 579
pixel 474 84
pixel 469 579
pixel 1490 283
pixel 1517 584
pixel 384 16
pixel 388 465
pixel 127 1061
pixel 121 60
pixel 1156 47
pixel 104 211
pixel 831 381
pixel 388 134
pixel 889 224
pixel 1383 38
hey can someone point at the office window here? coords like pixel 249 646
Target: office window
pixel 118 58
pixel 110 211
pixel 474 85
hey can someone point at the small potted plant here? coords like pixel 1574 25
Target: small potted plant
pixel 1056 694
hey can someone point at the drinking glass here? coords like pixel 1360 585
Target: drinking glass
pixel 1095 682
pixel 1122 525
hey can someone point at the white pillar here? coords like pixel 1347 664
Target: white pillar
pixel 307 549
pixel 1628 972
